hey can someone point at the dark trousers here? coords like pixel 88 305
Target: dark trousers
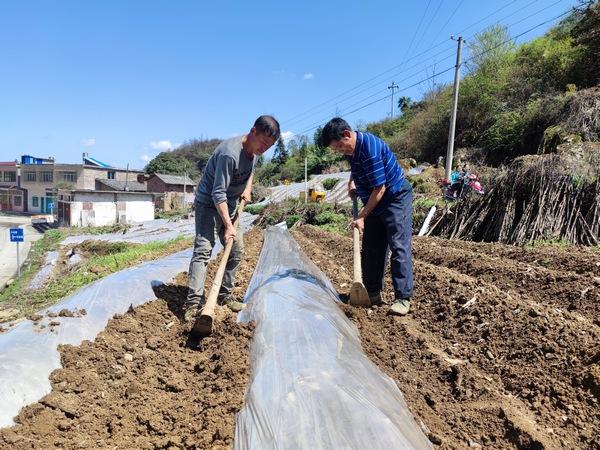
pixel 392 229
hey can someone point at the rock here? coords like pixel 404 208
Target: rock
pixel 128 357
pixel 66 313
pixel 435 439
pixel 9 282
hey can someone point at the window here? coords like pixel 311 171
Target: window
pixel 69 176
pixel 30 176
pixel 46 177
pixel 10 176
pixel 35 202
pixel 111 175
pixel 17 200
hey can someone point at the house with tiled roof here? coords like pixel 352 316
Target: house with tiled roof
pixel 178 190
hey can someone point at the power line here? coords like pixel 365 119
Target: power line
pixel 431 66
pixel 431 21
pixel 325 105
pixel 316 125
pixel 449 19
pixel 311 111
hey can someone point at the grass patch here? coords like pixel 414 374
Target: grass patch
pixel 181 213
pixel 327 216
pixel 255 208
pixel 102 258
pixel 421 207
pixel 554 242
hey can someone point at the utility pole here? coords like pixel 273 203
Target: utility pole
pixel 184 204
pixel 305 179
pixel 392 87
pixel 450 151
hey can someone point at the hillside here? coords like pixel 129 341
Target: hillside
pixel 513 99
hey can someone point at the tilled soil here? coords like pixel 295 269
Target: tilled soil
pixel 139 386
pixel 501 350
pixel 497 352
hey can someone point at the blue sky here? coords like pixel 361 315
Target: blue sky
pixel 123 80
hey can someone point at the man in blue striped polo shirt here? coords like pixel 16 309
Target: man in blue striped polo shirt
pixel 385 220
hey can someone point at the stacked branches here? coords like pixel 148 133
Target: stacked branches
pixel 546 197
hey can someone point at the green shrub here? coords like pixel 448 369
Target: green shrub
pixel 291 220
pixel 330 183
pixel 254 208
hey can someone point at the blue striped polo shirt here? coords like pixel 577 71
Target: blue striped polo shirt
pixel 374 164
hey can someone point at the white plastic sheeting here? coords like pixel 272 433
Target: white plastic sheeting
pixel 45 272
pixel 338 194
pixel 312 387
pixel 159 230
pixel 28 353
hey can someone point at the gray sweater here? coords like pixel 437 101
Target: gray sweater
pixel 225 174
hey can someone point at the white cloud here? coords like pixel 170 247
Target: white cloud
pixel 162 145
pixel 287 136
pixel 145 158
pixel 90 142
pixel 308 76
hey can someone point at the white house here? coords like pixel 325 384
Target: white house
pixel 82 207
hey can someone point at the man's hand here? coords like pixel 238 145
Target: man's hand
pixel 351 189
pixel 229 232
pixel 360 224
pixel 247 196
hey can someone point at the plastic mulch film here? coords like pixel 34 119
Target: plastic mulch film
pixel 312 387
pixel 29 353
pixel 154 230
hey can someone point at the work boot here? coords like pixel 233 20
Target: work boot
pixel 190 313
pixel 400 307
pixel 375 299
pixel 225 299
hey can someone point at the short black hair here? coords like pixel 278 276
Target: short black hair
pixel 268 125
pixel 334 131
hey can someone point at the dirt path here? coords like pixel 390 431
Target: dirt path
pixel 501 351
pixel 491 356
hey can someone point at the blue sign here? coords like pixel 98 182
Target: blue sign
pixel 16 234
pixel 50 205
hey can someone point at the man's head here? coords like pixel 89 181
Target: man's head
pixel 338 135
pixel 262 136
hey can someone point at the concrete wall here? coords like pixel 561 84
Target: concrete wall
pixel 99 209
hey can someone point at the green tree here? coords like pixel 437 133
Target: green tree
pixel 489 48
pixel 586 34
pixel 281 154
pixel 404 103
pixel 169 163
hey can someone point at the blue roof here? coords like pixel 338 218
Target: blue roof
pixel 94 162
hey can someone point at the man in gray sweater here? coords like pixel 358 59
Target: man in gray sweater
pixel 227 177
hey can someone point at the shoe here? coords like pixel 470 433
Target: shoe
pixel 400 307
pixel 191 313
pixel 376 299
pixel 230 301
